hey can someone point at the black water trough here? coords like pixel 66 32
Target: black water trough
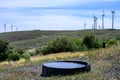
pixel 64 68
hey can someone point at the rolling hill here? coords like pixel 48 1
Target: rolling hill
pixel 37 38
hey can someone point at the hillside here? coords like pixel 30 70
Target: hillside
pixel 104 61
pixel 37 38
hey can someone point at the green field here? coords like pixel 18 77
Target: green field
pixel 38 38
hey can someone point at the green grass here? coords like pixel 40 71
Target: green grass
pixel 36 38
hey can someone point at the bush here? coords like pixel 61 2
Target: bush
pixel 13 56
pixel 91 42
pixel 59 45
pixel 20 51
pixel 110 43
pixel 4 47
pixel 69 45
pixel 98 43
pixel 26 56
pixel 46 50
pixel 79 44
pixel 32 53
pixel 38 51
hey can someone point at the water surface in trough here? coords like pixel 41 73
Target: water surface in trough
pixel 64 65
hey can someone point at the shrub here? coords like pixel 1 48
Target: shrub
pixel 110 43
pixel 4 47
pixel 79 44
pixel 32 53
pixel 26 56
pixel 38 51
pixel 91 42
pixel 59 45
pixel 45 50
pixel 13 56
pixel 20 51
pixel 98 43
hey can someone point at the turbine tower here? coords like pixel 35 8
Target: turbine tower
pixel 103 15
pixel 84 25
pixel 16 28
pixel 5 27
pixel 113 12
pixel 95 22
pixel 11 27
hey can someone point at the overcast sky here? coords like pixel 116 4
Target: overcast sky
pixel 56 14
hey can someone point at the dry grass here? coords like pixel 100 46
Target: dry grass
pixel 105 66
pixel 60 56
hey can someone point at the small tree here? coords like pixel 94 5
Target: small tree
pixel 13 56
pixel 4 47
pixel 91 42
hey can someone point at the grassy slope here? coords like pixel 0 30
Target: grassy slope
pixel 105 62
pixel 105 66
pixel 32 39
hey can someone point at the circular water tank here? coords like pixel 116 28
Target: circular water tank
pixel 64 68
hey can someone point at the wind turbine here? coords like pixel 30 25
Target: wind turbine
pixel 16 28
pixel 103 15
pixel 11 27
pixel 113 12
pixel 84 25
pixel 95 22
pixel 5 27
